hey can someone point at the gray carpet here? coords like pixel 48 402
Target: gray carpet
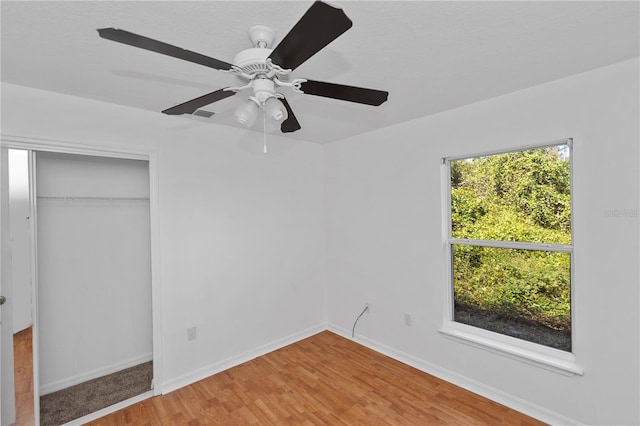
pixel 76 401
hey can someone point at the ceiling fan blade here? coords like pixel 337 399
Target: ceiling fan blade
pixel 344 93
pixel 191 106
pixel 291 123
pixel 122 36
pixel 318 27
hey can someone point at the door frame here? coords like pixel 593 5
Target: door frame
pixel 7 368
pixel 33 145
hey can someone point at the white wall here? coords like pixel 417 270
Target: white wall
pixel 385 239
pixel 241 234
pixel 243 245
pixel 20 238
pixel 94 268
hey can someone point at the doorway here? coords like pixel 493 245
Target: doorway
pixel 22 283
pixel 93 309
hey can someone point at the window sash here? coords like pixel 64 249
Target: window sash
pixel 528 352
pixel 512 245
pixel 446 192
pixel 568 142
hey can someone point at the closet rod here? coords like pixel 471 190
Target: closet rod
pixel 60 198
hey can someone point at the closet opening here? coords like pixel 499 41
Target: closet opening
pixel 88 315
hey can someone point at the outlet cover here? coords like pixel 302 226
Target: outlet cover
pixel 191 333
pixel 408 319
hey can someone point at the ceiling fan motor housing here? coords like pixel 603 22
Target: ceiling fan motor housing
pixel 253 61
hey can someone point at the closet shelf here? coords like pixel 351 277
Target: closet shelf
pixel 74 198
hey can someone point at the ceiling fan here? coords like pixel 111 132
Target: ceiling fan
pixel 265 69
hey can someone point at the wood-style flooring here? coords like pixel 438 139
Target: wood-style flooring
pixel 23 368
pixel 322 380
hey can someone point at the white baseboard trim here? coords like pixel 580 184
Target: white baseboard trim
pixel 93 374
pixel 210 370
pixel 476 387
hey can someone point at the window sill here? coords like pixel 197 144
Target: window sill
pixel 548 358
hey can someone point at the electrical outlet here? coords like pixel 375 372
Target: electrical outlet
pixel 408 319
pixel 191 333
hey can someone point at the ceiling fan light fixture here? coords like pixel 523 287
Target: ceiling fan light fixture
pixel 247 112
pixel 275 110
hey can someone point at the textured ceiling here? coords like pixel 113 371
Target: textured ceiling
pixel 430 56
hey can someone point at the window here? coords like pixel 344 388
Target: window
pixel 509 245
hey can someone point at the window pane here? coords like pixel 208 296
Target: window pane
pixel 520 293
pixel 517 196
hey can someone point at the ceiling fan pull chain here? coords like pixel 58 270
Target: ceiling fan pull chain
pixel 264 131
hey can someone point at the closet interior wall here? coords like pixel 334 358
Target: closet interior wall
pixel 94 267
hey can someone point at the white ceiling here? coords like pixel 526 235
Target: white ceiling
pixel 431 56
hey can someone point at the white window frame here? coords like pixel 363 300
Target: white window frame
pixel 532 353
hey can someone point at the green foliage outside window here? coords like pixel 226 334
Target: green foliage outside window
pixel 521 197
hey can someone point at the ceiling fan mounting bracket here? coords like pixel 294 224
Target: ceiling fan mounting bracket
pixel 296 85
pixel 262 36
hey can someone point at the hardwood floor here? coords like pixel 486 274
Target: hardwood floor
pixel 23 367
pixel 324 379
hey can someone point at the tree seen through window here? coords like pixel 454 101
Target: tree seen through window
pixel 511 244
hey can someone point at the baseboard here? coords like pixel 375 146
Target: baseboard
pixel 476 387
pixel 210 370
pixel 93 374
